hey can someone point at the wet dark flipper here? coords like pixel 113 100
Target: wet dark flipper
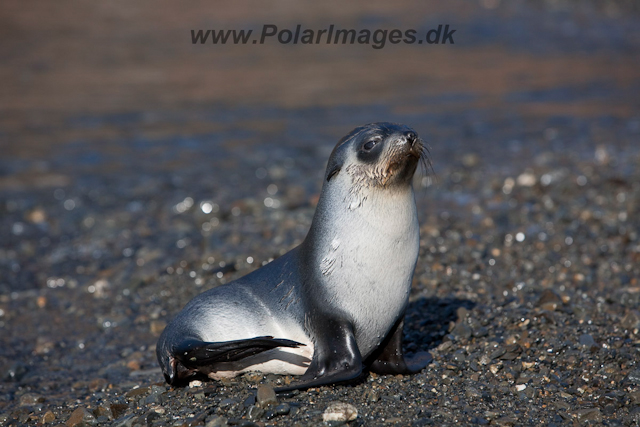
pixel 336 357
pixel 389 359
pixel 192 354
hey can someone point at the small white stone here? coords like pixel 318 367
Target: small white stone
pixel 195 383
pixel 520 387
pixel 339 411
pixel 526 179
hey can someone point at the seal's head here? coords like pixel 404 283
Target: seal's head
pixel 377 155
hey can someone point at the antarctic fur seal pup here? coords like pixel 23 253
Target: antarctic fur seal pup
pixel 331 306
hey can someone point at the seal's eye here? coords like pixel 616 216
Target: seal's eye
pixel 370 144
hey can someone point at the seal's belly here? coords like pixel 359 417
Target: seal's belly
pixel 221 324
pixel 289 361
pixel 293 361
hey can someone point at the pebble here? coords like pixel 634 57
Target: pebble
pixel 472 392
pixel 249 401
pixel 149 417
pixel 254 376
pixel 81 416
pixel 48 417
pixel 631 320
pixel 30 399
pixel 118 409
pixel 633 378
pixel 495 354
pixel 549 300
pixel 586 340
pixel 227 402
pixel 340 411
pixel 588 414
pixel 462 313
pixel 102 411
pixel 255 413
pixel 511 352
pixel 282 409
pixel 462 331
pixel 126 421
pixel 371 396
pixel 505 421
pixel 266 396
pixel 485 359
pixel 459 356
pixel 495 368
pixel 216 421
pixel 98 384
pixel 136 392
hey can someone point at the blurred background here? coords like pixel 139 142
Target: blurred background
pixel 133 161
pixel 118 89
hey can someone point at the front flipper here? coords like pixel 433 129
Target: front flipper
pixel 389 358
pixel 189 356
pixel 336 357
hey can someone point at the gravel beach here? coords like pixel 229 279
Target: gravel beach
pixel 131 181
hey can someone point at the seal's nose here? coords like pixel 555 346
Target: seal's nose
pixel 411 137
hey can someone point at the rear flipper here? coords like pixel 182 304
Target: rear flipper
pixel 192 358
pixel 389 359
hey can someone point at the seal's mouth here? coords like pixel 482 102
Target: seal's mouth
pixel 404 156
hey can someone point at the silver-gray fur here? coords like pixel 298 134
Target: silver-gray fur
pixel 346 287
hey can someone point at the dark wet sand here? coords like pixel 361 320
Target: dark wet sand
pixel 138 170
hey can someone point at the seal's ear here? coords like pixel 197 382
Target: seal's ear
pixel 335 163
pixel 333 172
pixel 338 155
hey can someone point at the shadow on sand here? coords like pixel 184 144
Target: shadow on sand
pixel 427 321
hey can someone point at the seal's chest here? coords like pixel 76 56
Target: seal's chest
pixel 370 281
pixel 381 302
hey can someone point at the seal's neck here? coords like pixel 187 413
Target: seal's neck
pixel 377 220
pixel 345 206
